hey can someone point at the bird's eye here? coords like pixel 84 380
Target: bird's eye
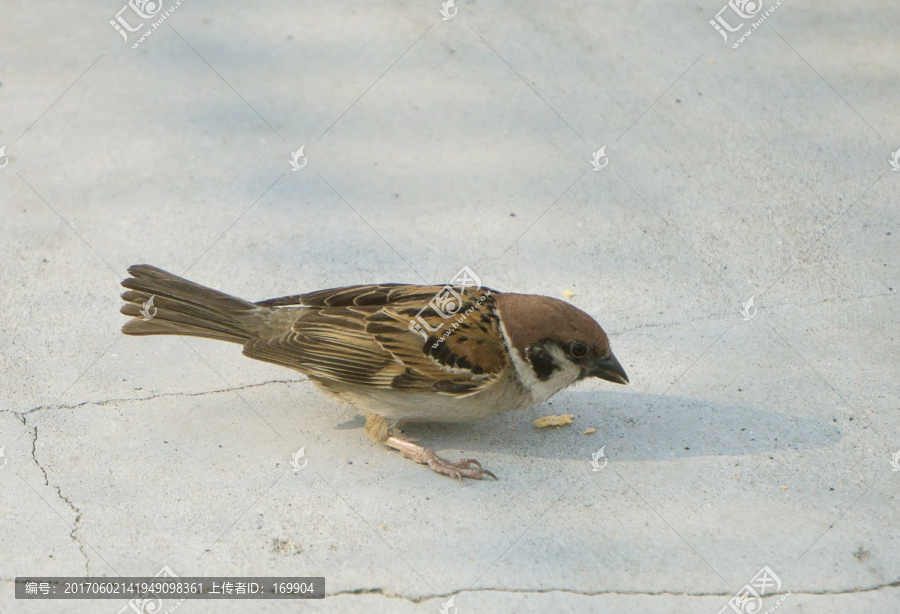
pixel 578 349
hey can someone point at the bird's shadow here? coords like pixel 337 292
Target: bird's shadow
pixel 633 427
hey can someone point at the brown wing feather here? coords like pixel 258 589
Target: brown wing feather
pixel 349 296
pixel 360 335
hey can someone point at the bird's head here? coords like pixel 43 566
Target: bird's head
pixel 558 340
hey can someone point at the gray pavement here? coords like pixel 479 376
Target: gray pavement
pixel 752 436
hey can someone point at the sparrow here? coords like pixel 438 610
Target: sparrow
pixel 398 353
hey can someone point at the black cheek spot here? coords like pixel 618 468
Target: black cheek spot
pixel 542 363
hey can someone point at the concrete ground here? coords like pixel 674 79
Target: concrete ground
pixel 752 435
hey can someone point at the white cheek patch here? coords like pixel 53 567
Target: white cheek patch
pixel 567 374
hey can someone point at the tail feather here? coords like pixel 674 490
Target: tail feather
pixel 161 303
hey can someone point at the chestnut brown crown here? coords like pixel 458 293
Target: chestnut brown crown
pixel 537 324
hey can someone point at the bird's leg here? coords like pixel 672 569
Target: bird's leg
pixel 377 428
pixel 457 469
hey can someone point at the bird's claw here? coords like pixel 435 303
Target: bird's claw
pixel 456 469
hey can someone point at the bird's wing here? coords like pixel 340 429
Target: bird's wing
pixel 349 296
pixel 362 336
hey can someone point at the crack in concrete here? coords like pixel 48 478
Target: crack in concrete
pixel 153 396
pixel 59 493
pixel 524 591
pixel 22 417
pixel 518 591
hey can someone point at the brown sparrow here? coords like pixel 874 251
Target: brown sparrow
pixel 400 353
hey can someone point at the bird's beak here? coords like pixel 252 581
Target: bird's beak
pixel 610 370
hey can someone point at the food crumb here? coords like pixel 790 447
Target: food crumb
pixel 563 420
pixel 568 293
pixel 589 431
